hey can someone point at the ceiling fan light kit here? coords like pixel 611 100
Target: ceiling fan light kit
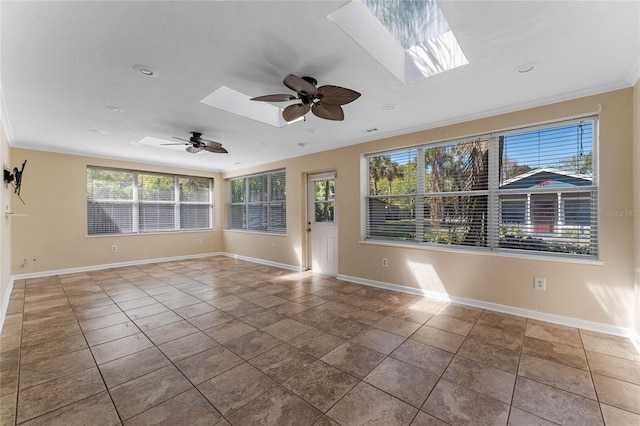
pixel 197 143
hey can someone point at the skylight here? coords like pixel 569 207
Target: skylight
pixel 412 39
pixel 238 103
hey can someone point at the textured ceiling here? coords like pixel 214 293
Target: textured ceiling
pixel 64 63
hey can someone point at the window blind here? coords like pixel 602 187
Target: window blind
pixel 533 189
pixel 258 202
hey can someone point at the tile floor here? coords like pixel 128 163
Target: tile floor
pixel 219 341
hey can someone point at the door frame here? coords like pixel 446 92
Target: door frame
pixel 307 240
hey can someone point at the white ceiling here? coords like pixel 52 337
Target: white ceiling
pixel 63 63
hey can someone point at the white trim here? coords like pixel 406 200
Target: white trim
pixel 263 262
pixel 527 313
pixel 5 303
pixel 111 265
pixel 4 119
pixel 634 74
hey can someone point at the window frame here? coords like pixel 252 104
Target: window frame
pixel 136 202
pixel 265 200
pixel 495 196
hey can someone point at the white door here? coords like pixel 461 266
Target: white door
pixel 321 223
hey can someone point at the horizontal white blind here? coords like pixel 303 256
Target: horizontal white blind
pixel 123 201
pixel 533 189
pixel 258 202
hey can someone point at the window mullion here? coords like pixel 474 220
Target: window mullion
pixel 136 204
pixel 494 182
pixel 176 203
pixel 420 192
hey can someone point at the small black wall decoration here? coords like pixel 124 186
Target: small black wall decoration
pixel 15 179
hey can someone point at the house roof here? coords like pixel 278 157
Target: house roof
pixel 71 82
pixel 547 177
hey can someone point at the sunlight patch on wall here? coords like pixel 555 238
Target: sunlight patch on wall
pixel 426 277
pixel 412 39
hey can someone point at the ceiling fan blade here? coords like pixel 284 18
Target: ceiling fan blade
pixel 295 111
pixel 185 143
pixel 274 98
pixel 216 149
pixel 194 150
pixel 180 139
pixel 328 111
pixel 208 142
pixel 299 85
pixel 335 95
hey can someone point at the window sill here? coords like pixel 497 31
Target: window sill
pixel 244 231
pixel 190 231
pixel 487 252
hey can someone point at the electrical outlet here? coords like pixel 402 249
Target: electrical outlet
pixel 540 283
pixel 198 241
pixel 385 262
pixel 114 249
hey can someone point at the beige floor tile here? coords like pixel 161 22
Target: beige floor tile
pixel 208 364
pixel 563 354
pixel 424 419
pixel 451 325
pixel 118 348
pixel 91 324
pixel 316 342
pixel 210 319
pixel 113 332
pixel 557 375
pixel 440 339
pixel 517 417
pixel 94 312
pixel 194 310
pixel 137 303
pixel 459 405
pixel 489 381
pixel 252 344
pixel 137 395
pixel 8 408
pixel 188 408
pixel 617 393
pixel 282 362
pixel 617 417
pixel 617 368
pixel 553 333
pixel 51 395
pixel 354 359
pixel 321 384
pixel 276 407
pixel 47 369
pixel 97 410
pixel 606 344
pixel 510 323
pixel 378 340
pixel 263 318
pixel 132 366
pixel 235 388
pixel 498 336
pixel 461 312
pixel 423 356
pixel 170 332
pixel 555 404
pixel 52 348
pixel 186 346
pixel 286 329
pixel 397 326
pixel 157 320
pixel 365 404
pixel 404 381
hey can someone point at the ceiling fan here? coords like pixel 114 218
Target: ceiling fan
pixel 197 143
pixel 323 101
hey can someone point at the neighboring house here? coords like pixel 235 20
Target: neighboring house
pixel 552 201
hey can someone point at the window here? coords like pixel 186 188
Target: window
pixel 532 189
pixel 125 202
pixel 325 200
pixel 258 203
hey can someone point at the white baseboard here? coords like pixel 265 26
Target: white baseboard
pixel 528 313
pixel 5 303
pixel 111 265
pixel 264 262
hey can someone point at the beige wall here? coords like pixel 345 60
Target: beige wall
pixel 6 195
pixel 596 292
pixel 54 234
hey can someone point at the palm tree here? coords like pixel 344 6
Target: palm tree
pixel 392 170
pixel 435 159
pixel 377 170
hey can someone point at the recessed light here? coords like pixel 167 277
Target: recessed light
pixel 389 107
pixel 146 71
pixel 311 130
pixel 98 131
pixel 525 68
pixel 373 129
pixel 113 108
pixel 302 145
pixel 237 163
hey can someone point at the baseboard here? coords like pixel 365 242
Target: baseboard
pixel 5 303
pixel 264 262
pixel 542 316
pixel 111 265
